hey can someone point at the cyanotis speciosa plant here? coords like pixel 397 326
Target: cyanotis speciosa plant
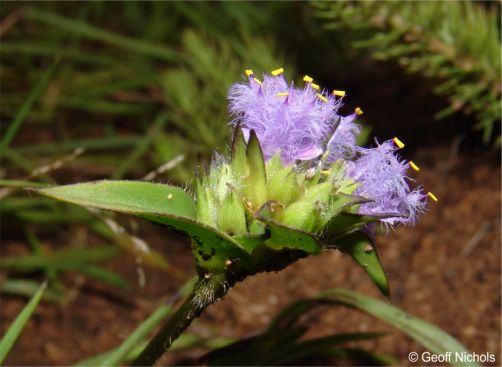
pixel 295 183
pixel 295 169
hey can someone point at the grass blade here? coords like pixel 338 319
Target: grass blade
pixel 60 147
pixel 26 107
pixel 28 288
pixel 91 32
pixel 17 326
pixel 118 355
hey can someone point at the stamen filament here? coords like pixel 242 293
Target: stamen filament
pixel 321 97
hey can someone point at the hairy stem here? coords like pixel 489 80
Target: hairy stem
pixel 206 291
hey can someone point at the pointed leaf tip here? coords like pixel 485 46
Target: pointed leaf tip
pixel 361 248
pixel 131 197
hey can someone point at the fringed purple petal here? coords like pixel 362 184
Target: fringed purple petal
pixel 382 178
pixel 296 125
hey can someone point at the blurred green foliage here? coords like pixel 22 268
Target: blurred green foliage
pixel 455 42
pixel 179 67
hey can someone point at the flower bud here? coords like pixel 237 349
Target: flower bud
pixel 206 205
pixel 300 215
pixel 283 186
pixel 231 215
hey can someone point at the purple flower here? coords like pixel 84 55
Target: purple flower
pixel 303 124
pixel 342 144
pixel 381 176
pixel 297 122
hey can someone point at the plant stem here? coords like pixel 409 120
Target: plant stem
pixel 206 291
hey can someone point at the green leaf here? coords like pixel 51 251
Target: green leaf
pixel 289 315
pixel 315 347
pixel 249 243
pixel 17 326
pixel 167 205
pixel 361 357
pixel 282 237
pixel 430 336
pixel 212 248
pixel 360 247
pixel 131 197
pixel 343 201
pixel 344 223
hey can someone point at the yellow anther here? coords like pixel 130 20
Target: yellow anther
pixel 248 72
pixel 258 81
pixel 307 79
pixel 321 97
pixel 169 196
pixel 414 166
pixel 339 93
pixel 315 86
pixel 277 71
pixel 282 94
pixel 359 112
pixel 432 196
pixel 399 143
pixel 326 172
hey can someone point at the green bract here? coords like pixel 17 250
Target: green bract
pixel 249 215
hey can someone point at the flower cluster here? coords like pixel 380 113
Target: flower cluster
pixel 296 122
pixel 303 124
